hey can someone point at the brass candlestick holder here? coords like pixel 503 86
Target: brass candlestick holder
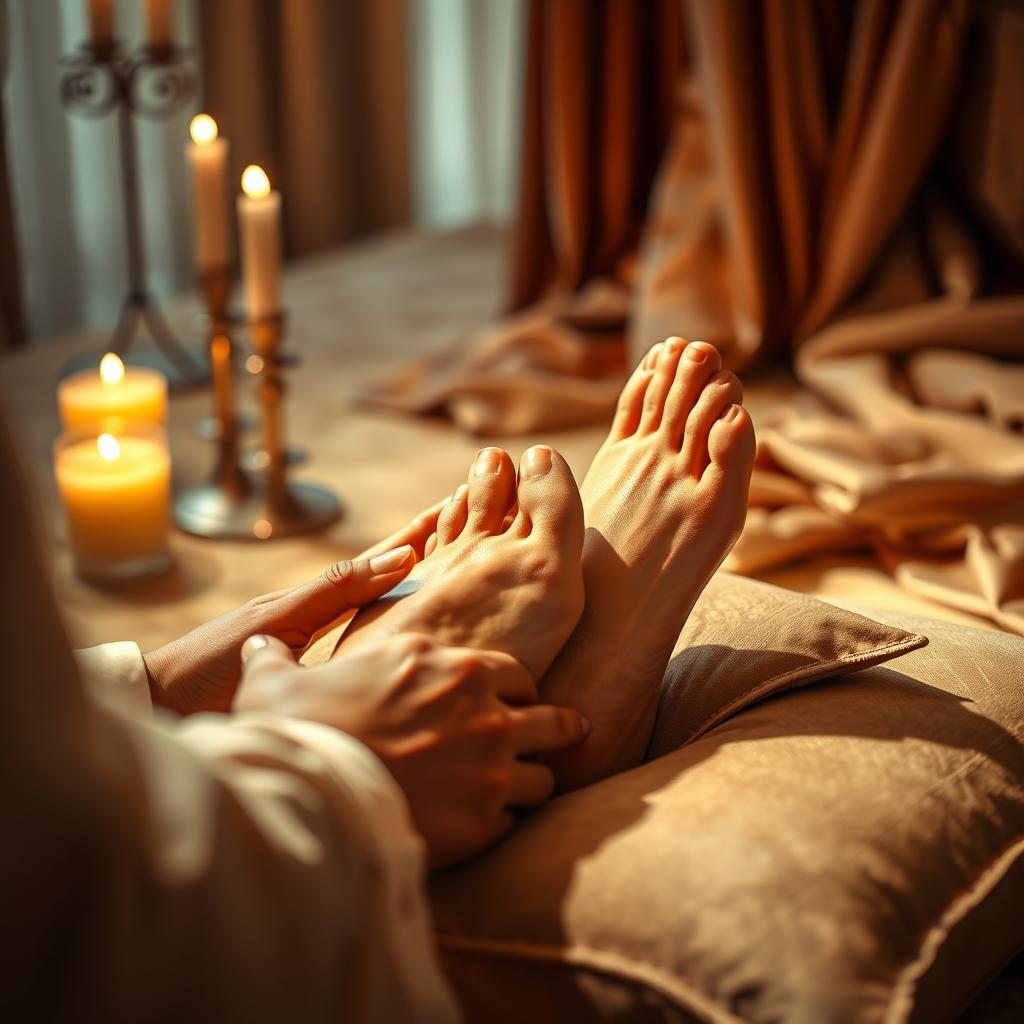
pixel 263 504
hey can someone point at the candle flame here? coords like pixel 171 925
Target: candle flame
pixel 255 182
pixel 203 129
pixel 111 369
pixel 108 447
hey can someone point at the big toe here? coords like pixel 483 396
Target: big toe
pixel 549 500
pixel 492 488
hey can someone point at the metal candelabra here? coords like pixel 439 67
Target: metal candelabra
pixel 259 503
pixel 154 84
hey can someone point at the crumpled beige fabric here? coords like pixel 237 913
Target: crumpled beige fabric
pixel 843 190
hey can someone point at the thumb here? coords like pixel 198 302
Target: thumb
pixel 347 585
pixel 266 661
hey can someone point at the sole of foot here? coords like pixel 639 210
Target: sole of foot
pixel 504 572
pixel 664 500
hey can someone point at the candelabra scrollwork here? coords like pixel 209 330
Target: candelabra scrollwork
pixel 153 84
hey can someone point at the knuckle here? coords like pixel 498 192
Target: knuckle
pixel 338 573
pixel 413 645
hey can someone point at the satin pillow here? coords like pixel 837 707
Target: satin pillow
pixel 745 640
pixel 851 851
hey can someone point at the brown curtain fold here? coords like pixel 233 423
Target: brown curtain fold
pixel 842 182
pixel 316 93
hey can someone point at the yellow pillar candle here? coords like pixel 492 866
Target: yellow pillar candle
pixel 116 492
pixel 259 217
pixel 208 158
pixel 88 397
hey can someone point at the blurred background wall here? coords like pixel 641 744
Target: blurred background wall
pixel 367 117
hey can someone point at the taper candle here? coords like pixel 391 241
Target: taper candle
pixel 208 158
pixel 158 24
pixel 101 23
pixel 88 397
pixel 259 216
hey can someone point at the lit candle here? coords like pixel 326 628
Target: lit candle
pixel 101 23
pixel 158 23
pixel 116 492
pixel 208 157
pixel 259 217
pixel 88 397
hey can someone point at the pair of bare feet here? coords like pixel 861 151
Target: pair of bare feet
pixel 589 588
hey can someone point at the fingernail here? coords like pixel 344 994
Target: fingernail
pixel 696 353
pixel 674 344
pixel 536 461
pixel 731 412
pixel 460 492
pixel 255 643
pixel 585 726
pixel 652 357
pixel 390 561
pixel 487 462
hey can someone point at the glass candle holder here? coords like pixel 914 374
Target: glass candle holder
pixel 114 479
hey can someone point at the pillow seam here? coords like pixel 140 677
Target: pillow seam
pixel 911 642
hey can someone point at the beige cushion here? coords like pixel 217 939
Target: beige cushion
pixel 745 640
pixel 851 851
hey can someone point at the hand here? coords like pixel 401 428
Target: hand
pixel 200 671
pixel 450 724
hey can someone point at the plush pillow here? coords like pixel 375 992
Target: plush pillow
pixel 745 640
pixel 851 851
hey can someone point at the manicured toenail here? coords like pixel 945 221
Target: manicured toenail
pixel 696 353
pixel 536 461
pixel 731 412
pixel 652 357
pixel 487 462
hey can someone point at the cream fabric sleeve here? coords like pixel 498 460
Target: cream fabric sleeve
pixel 217 868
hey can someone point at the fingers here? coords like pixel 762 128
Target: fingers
pixel 264 656
pixel 530 785
pixel 509 678
pixel 543 728
pixel 342 586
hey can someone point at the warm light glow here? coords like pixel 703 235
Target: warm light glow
pixel 262 529
pixel 111 369
pixel 255 183
pixel 107 446
pixel 203 129
pixel 254 363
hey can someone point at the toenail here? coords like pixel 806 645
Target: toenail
pixel 675 344
pixel 536 461
pixel 731 412
pixel 460 493
pixel 487 462
pixel 695 353
pixel 652 357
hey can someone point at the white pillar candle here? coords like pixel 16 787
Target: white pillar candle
pixel 259 218
pixel 158 24
pixel 88 397
pixel 101 23
pixel 116 492
pixel 208 158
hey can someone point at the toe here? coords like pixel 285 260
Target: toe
pixel 430 546
pixel 631 400
pixel 549 500
pixel 700 361
pixel 452 520
pixel 721 390
pixel 664 371
pixel 731 445
pixel 492 488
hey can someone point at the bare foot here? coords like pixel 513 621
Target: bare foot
pixel 665 499
pixel 504 573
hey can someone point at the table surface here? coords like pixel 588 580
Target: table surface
pixel 354 314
